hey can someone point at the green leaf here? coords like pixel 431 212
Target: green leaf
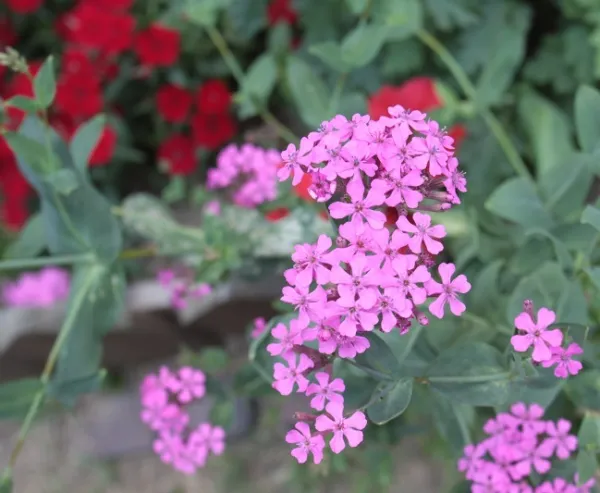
pixel 213 359
pixel 222 413
pixel 449 14
pixel 175 190
pixel 403 17
pixel 247 18
pixel 44 84
pixel 6 483
pixel 517 200
pixel 16 397
pixel 453 421
pixel 485 288
pixel 549 131
pixel 589 433
pixel 591 216
pixel 363 44
pixel 357 7
pixel 95 305
pixel 562 253
pixel 584 390
pixel 204 12
pixel 63 181
pixel 540 389
pixel 378 361
pixel 280 37
pixel 30 151
pixel 22 103
pixel 351 102
pixel 587 117
pixel 80 222
pixel 31 240
pixel 587 463
pixel 594 274
pixel 85 140
pixel 67 391
pixel 473 373
pixel 308 91
pixel 330 53
pixel 572 304
pixel 391 400
pixel 257 85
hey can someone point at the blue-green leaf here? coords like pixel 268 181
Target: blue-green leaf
pixel 379 360
pixel 257 85
pixel 23 103
pixel 31 240
pixel 85 140
pixel 591 216
pixel 390 400
pixel 363 44
pixel 308 91
pixel 330 53
pixel 587 118
pixel 16 397
pixel 44 84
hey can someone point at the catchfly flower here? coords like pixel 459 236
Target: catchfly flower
pixel 376 274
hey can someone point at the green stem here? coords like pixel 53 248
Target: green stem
pixel 27 263
pixel 471 378
pixel 68 325
pixel 238 74
pixel 491 121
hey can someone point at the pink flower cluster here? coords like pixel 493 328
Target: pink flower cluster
pixel 547 343
pixel 181 291
pixel 250 172
pixel 259 326
pixel 163 396
pixel 374 277
pixel 518 443
pixel 38 289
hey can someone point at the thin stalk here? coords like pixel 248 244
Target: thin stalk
pixel 26 263
pixel 467 87
pixel 238 74
pixel 471 378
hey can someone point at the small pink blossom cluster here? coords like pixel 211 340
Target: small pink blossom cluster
pixel 518 444
pixel 374 277
pixel 181 291
pixel 163 396
pixel 547 343
pixel 38 289
pixel 249 171
pixel 259 326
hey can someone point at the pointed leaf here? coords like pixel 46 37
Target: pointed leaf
pixel 85 140
pixel 44 84
pixel 391 400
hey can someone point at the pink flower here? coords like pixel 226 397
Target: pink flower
pixel 422 233
pixel 260 324
pixel 447 290
pixel 349 428
pixel 306 303
pixel 166 277
pixel 559 441
pixel 305 443
pixel 536 334
pixel 346 346
pixel 360 207
pixel 325 391
pixel 212 438
pixel 386 248
pixel 390 305
pixel 400 189
pixel 168 447
pixel 294 160
pixel 192 384
pixel 408 280
pixel 312 262
pixel 361 281
pixel 286 338
pixel 429 151
pixel 154 403
pixel 38 289
pixel 357 315
pixel 359 239
pixel 286 377
pixel 356 158
pixel 563 359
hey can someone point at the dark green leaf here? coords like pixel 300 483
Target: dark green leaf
pixel 453 421
pixel 204 12
pixel 589 433
pixel 587 463
pixel 485 290
pixel 213 359
pixel 257 85
pixel 591 215
pixel 517 200
pixel 404 17
pixel 357 7
pixel 44 84
pixel 587 117
pixel 63 181
pixel 85 141
pixel 449 14
pixel 584 390
pixel 352 103
pixel 378 361
pixel 540 389
pixel 390 400
pixel 572 304
pixel 29 150
pixel 175 190
pixel 280 37
pixel 308 91
pixel 330 53
pixel 16 397
pixel 23 103
pixel 248 381
pixel 31 240
pixel 67 391
pixel 363 44
pixel 562 253
pixel 222 413
pixel 358 391
pixel 472 373
pixel 247 18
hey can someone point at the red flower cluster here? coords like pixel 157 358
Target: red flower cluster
pixel 208 113
pixel 281 11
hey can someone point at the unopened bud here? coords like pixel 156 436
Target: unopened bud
pixel 298 416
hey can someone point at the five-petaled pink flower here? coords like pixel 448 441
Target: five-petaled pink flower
pixel 312 262
pixel 286 376
pixel 537 334
pixel 563 359
pixel 287 338
pixel 559 441
pixel 447 291
pixel 306 443
pixel 360 207
pixel 349 428
pixel 422 233
pixel 192 384
pixel 325 391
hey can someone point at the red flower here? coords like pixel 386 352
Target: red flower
pixel 13 188
pixel 211 131
pixel 8 35
pixel 63 124
pixel 92 27
pixel 79 94
pixel 74 60
pixel 179 155
pixel 110 4
pixel 458 132
pixel 301 190
pixel 173 103
pixel 24 6
pixel 417 93
pixel 157 46
pixel 105 148
pixel 281 10
pixel 213 97
pixel 277 214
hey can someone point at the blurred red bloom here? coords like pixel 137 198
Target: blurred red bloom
pixel 64 124
pixel 94 27
pixel 211 131
pixel 178 153
pixel 8 35
pixel 110 4
pixel 105 148
pixel 417 93
pixel 173 103
pixel 277 214
pixel 14 189
pixel 74 60
pixel 24 6
pixel 281 11
pixel 301 190
pixel 157 46
pixel 213 97
pixel 79 94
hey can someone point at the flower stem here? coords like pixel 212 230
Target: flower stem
pixel 26 263
pixel 238 74
pixel 490 119
pixel 471 378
